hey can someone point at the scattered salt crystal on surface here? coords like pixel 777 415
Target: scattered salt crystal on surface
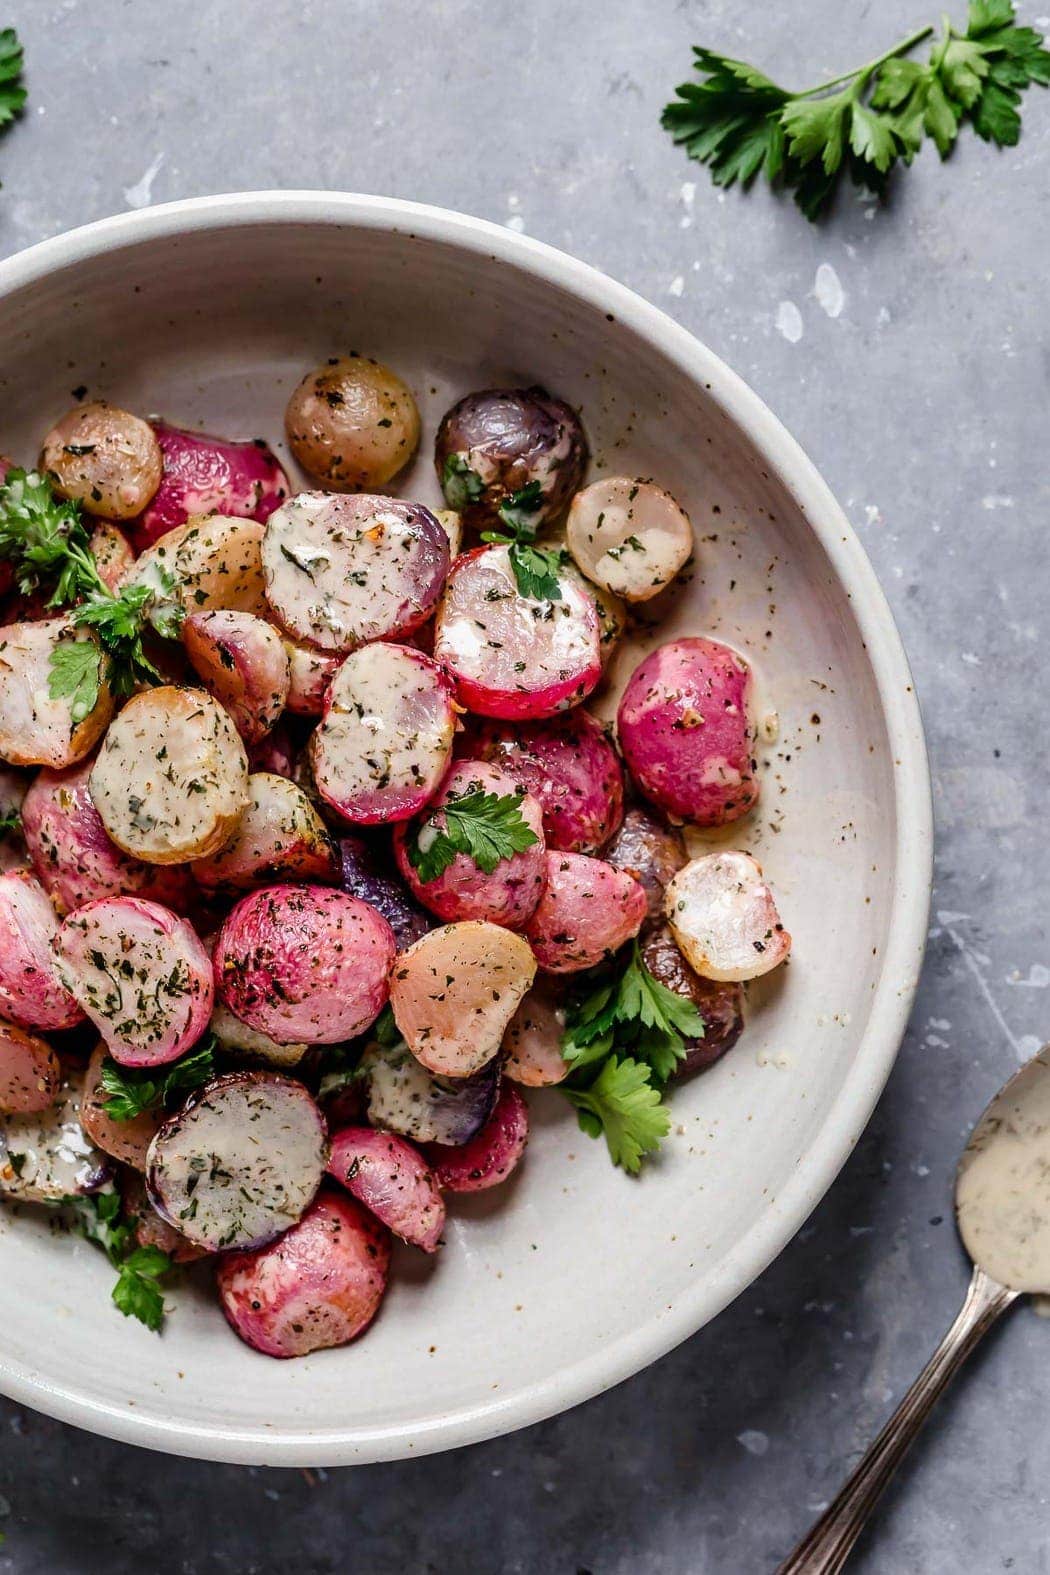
pixel 515 222
pixel 141 194
pixel 676 286
pixel 827 287
pixel 754 1442
pixel 789 322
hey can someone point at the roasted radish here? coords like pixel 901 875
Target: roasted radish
pixel 341 571
pixel 32 993
pixel 650 850
pixel 513 655
pixel 249 1044
pixel 568 764
pixel 126 1141
pixel 30 1075
pixel 489 1157
pixel 587 911
pixel 304 964
pixel 506 894
pixel 495 444
pixel 171 779
pixel 206 563
pixel 141 974
pixel 280 836
pixel 320 1285
pixel 210 475
pixel 352 424
pixel 630 537
pixel 240 1162
pixel 309 674
pixel 721 1005
pixel 724 917
pixel 393 1182
pixel 37 729
pixel 403 1097
pixel 386 737
pixel 366 875
pixel 243 662
pixel 533 1041
pixel 105 459
pixel 46 1156
pixel 454 992
pixel 685 731
pixel 73 856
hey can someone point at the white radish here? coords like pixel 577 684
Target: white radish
pixel 141 974
pixel 454 992
pixel 240 1162
pixel 171 779
pixel 309 674
pixel 724 917
pixel 533 1041
pixel 386 737
pixel 630 537
pixel 249 1044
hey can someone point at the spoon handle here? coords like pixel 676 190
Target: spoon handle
pixel 825 1549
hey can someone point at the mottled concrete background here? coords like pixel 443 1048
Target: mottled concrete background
pixel 907 349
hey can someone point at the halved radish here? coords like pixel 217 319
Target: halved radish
pixel 206 475
pixel 533 1041
pixel 213 562
pixel 507 894
pixel 587 911
pixel 629 536
pixel 36 729
pixel 280 836
pixel 142 976
pixel 249 1044
pixel 309 674
pixel 32 995
pixel 651 850
pixel 342 570
pixel 243 661
pixel 171 779
pixel 386 737
pixel 403 1096
pixel 75 859
pixel 511 655
pixel 724 917
pixel 30 1074
pixel 454 992
pixel 720 1003
pixel 46 1156
pixel 686 734
pixel 568 764
pixel 126 1141
pixel 368 874
pixel 150 1229
pixel 490 1157
pixel 392 1180
pixel 276 753
pixel 304 964
pixel 112 552
pixel 240 1162
pixel 320 1285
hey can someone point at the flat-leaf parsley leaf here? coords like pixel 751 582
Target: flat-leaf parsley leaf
pixel 487 827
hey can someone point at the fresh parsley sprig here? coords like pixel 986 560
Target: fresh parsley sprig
pixel 130 1091
pixel 12 91
pixel 45 540
pixel 460 484
pixel 623 1105
pixel 739 122
pixel 137 1293
pixel 487 827
pixel 535 568
pixel 623 1041
pixel 10 822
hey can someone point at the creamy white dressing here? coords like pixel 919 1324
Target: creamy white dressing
pixel 1002 1194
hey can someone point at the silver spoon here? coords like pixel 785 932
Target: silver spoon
pixel 1002 1209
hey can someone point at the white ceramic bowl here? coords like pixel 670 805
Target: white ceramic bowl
pixel 572 1277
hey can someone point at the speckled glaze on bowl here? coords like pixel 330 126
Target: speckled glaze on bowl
pixel 573 1277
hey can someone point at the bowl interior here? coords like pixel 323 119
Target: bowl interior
pixel 572 1275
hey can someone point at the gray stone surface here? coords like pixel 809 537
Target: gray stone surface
pixel 924 402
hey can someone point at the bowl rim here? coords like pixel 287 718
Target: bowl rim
pixel 891 1000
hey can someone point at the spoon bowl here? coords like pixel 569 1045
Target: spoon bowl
pixel 1002 1186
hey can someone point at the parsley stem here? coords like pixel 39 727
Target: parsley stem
pixel 873 65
